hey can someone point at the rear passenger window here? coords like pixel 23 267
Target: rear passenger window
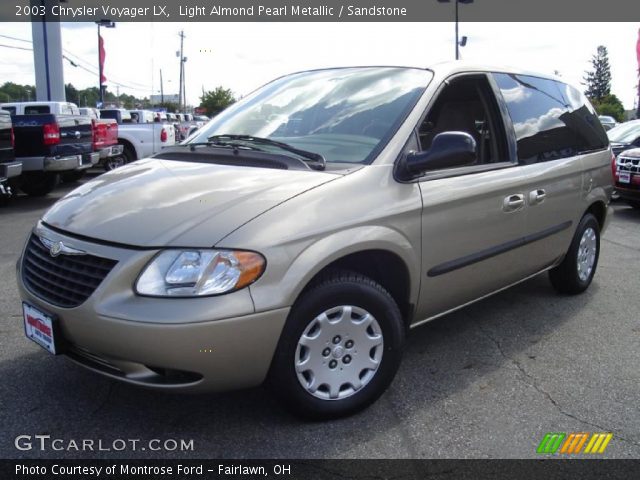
pixel 551 120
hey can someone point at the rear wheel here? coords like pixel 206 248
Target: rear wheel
pixel 128 154
pixel 111 163
pixel 575 273
pixel 38 184
pixel 340 348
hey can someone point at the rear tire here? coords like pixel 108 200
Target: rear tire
pixel 111 163
pixel 340 348
pixel 128 154
pixel 575 273
pixel 38 184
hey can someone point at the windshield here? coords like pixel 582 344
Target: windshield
pixel 625 133
pixel 346 115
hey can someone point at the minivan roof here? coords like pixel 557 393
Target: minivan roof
pixel 445 69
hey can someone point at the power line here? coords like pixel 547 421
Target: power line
pixel 143 87
pixel 17 48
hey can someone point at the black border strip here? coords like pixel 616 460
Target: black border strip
pixel 467 260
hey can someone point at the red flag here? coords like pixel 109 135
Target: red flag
pixel 101 55
pixel 638 50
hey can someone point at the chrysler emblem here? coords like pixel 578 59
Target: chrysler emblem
pixel 56 248
pixel 59 248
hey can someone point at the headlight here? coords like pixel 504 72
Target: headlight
pixel 194 273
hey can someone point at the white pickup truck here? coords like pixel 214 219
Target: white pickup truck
pixel 139 140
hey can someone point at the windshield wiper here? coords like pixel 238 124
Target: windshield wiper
pixel 315 160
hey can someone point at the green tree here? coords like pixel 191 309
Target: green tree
pixel 216 100
pixel 598 80
pixel 12 92
pixel 609 105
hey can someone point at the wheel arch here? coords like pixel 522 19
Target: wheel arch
pixel 380 253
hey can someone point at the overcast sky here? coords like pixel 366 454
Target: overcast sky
pixel 243 56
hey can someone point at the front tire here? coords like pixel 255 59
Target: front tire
pixel 340 348
pixel 575 273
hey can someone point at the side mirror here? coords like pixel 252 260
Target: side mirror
pixel 448 150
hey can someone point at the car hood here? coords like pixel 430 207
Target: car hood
pixel 633 153
pixel 158 203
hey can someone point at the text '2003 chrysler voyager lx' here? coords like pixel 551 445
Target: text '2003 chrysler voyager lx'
pixel 299 235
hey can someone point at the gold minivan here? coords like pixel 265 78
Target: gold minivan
pixel 299 235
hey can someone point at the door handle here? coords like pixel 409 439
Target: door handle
pixel 513 203
pixel 537 196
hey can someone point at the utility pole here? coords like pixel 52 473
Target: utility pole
pixel 180 54
pixel 161 88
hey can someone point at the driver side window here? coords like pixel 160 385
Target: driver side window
pixel 467 105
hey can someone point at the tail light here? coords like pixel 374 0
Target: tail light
pixel 614 169
pixel 51 133
pixel 13 139
pixel 163 135
pixel 94 135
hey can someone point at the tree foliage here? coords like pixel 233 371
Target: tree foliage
pixel 598 80
pixel 215 101
pixel 609 105
pixel 12 92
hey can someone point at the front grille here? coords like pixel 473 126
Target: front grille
pixel 628 164
pixel 65 280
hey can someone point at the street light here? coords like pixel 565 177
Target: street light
pixel 463 42
pixel 107 24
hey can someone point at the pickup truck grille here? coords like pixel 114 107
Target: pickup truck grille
pixel 65 280
pixel 627 164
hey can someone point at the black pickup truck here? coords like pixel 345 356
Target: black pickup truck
pixel 49 144
pixel 9 167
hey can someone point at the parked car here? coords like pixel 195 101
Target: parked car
pixel 51 138
pixel 105 142
pixel 607 122
pixel 139 140
pixel 625 136
pixel 301 234
pixel 627 176
pixel 9 167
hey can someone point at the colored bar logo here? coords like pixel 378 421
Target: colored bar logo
pixel 573 443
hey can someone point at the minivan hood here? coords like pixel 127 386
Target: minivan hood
pixel 157 203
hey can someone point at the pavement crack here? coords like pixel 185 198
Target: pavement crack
pixel 621 244
pixel 532 382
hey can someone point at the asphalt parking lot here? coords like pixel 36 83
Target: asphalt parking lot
pixel 485 382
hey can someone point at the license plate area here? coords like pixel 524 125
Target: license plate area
pixel 624 177
pixel 41 328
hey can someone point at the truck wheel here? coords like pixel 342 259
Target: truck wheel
pixel 72 176
pixel 128 154
pixel 340 348
pixel 38 184
pixel 111 163
pixel 576 271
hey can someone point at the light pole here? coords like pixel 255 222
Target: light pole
pixel 463 42
pixel 107 24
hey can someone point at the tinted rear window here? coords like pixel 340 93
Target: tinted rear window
pixel 551 120
pixel 11 110
pixel 36 109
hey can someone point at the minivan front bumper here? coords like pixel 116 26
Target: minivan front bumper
pixel 197 344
